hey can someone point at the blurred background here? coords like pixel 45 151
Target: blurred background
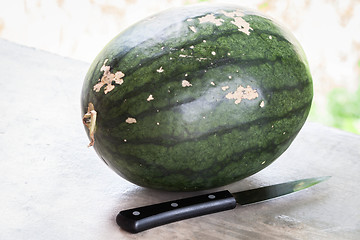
pixel 328 30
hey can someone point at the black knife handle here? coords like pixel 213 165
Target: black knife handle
pixel 139 219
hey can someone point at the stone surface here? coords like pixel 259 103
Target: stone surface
pixel 54 187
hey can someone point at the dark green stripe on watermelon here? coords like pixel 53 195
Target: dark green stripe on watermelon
pixel 181 78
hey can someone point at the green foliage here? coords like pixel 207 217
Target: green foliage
pixel 344 108
pixel 263 5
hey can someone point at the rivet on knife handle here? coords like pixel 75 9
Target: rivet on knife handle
pixel 139 219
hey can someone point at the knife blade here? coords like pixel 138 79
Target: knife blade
pixel 143 218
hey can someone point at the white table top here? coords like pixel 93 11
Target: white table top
pixel 54 187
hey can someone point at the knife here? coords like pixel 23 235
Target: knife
pixel 143 218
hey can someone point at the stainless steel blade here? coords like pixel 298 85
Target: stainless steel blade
pixel 274 191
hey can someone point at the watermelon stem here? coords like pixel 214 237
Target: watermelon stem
pixel 89 120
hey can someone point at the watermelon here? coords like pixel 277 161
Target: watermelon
pixel 196 97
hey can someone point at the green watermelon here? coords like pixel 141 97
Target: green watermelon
pixel 196 97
